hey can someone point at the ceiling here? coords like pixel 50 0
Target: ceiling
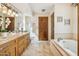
pixel 23 7
pixel 36 8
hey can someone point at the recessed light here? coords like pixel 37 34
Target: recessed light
pixel 43 10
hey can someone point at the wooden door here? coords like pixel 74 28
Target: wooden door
pixel 52 26
pixel 43 28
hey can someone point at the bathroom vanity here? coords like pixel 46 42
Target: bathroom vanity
pixel 14 44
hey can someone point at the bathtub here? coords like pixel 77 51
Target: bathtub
pixel 70 46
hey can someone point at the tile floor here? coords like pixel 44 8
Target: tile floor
pixel 38 48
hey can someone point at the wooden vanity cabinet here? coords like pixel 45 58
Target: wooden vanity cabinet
pixel 12 48
pixel 15 47
pixel 22 44
pixel 3 50
pixel 26 41
pixel 8 49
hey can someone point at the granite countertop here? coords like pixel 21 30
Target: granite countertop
pixel 11 36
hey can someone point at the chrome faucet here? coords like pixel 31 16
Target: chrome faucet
pixel 59 39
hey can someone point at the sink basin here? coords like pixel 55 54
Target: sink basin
pixel 6 35
pixel 12 33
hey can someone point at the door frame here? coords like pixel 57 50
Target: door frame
pixel 78 30
pixel 53 25
pixel 38 27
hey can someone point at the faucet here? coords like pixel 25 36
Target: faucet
pixel 59 39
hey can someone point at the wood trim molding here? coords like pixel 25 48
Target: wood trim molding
pixel 78 30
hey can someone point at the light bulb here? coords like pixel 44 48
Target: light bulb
pixel 16 14
pixel 4 10
pixel 9 11
pixel 12 14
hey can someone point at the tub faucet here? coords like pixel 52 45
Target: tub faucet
pixel 59 39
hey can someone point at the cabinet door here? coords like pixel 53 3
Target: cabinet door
pixel 12 48
pixel 21 49
pixel 3 49
pixel 27 41
pixel 21 44
pixel 4 53
pixel 11 51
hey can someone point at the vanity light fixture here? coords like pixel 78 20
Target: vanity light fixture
pixel 8 9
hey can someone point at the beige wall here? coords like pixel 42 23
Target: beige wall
pixel 67 11
pixel 74 10
pixel 34 22
pixel 27 23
